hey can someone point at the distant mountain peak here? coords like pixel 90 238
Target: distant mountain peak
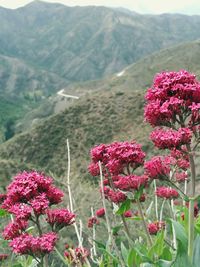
pixel 42 4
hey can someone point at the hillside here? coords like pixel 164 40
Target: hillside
pixel 85 43
pixel 45 47
pixel 136 77
pixel 109 113
pixel 139 75
pixel 97 118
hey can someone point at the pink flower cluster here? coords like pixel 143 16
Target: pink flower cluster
pixel 100 212
pixel 59 218
pixel 118 161
pixel 38 246
pixel 169 139
pixel 116 157
pixel 29 196
pixel 14 229
pixel 158 167
pixel 92 221
pixel 128 214
pixel 34 190
pixel 167 193
pixel 172 94
pixel 155 227
pixel 131 182
pixel 114 196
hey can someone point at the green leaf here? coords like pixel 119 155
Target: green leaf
pixel 100 245
pixel 116 229
pixel 158 246
pixel 131 258
pixel 197 225
pixel 180 235
pixel 166 255
pixel 182 260
pixel 163 263
pixel 143 253
pixel 138 193
pixel 135 218
pixel 124 207
pixel 3 213
pixel 196 254
pixel 124 252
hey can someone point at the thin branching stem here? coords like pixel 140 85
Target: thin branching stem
pixel 191 203
pixel 111 240
pixel 144 224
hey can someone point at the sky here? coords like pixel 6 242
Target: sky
pixel 189 7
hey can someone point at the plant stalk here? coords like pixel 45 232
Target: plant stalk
pixel 191 229
pixel 144 224
pixel 191 205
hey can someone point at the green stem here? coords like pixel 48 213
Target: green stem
pixel 126 227
pixel 61 256
pixel 191 229
pixel 144 224
pixel 191 205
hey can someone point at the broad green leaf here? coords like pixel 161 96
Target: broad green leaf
pixel 135 218
pixel 182 260
pixel 3 213
pixel 163 263
pixel 131 258
pixel 196 254
pixel 139 193
pixel 143 253
pixel 157 248
pixel 100 245
pixel 126 205
pixel 124 252
pixel 116 229
pixel 197 225
pixel 180 235
pixel 148 265
pixel 166 255
pixel 134 259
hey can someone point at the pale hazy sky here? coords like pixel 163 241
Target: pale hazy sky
pixel 141 6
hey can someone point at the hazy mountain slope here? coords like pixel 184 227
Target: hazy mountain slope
pixel 18 79
pixel 97 118
pixel 113 112
pixel 22 88
pixel 139 75
pixel 82 43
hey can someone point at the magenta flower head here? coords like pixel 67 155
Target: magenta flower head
pixel 30 245
pixel 14 229
pixel 167 192
pixel 29 197
pixel 34 189
pixel 171 95
pixel 115 196
pixel 59 218
pixel 92 221
pixel 171 139
pixel 131 182
pixel 158 167
pixel 128 214
pixel 155 227
pixel 100 212
pixel 116 158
